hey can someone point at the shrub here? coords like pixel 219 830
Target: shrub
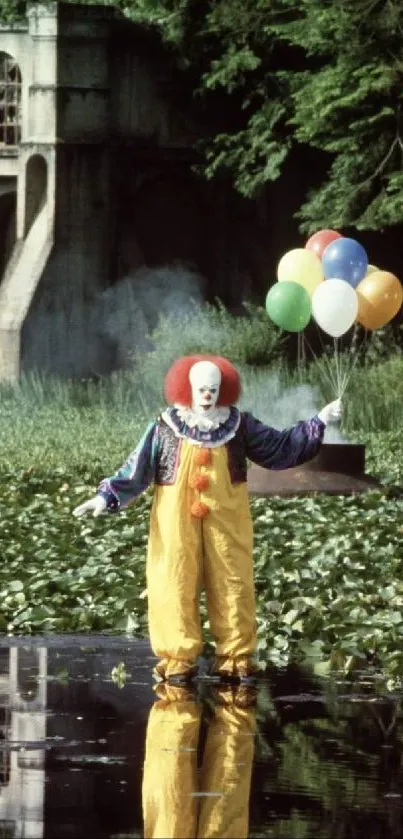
pixel 381 344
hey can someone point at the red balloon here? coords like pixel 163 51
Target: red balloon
pixel 320 240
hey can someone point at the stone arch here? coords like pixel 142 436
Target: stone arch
pixel 36 184
pixel 10 101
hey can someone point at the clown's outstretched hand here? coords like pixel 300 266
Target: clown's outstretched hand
pixel 331 413
pixel 96 505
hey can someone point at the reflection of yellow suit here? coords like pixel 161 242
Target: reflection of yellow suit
pixel 186 553
pixel 182 802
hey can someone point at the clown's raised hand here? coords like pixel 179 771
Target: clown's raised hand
pixel 96 505
pixel 331 413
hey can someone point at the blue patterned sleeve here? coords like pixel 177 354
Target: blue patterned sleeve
pixel 274 449
pixel 136 474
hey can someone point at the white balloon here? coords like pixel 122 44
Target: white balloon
pixel 335 306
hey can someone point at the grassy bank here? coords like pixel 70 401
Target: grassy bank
pixel 89 426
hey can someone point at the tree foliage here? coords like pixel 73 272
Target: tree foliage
pixel 299 73
pixel 314 72
pixel 11 11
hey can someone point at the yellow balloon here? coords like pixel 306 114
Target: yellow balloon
pixel 301 266
pixel 380 296
pixel 371 269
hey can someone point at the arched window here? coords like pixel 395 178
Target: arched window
pixel 10 101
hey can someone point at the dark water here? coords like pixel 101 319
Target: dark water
pixel 87 755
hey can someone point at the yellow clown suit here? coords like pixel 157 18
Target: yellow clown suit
pixel 195 453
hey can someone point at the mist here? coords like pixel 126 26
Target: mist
pixel 130 309
pixel 71 332
pixel 266 397
pixel 77 336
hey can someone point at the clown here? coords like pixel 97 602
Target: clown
pixel 201 536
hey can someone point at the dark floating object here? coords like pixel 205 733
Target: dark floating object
pixel 338 469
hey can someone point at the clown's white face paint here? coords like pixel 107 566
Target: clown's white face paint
pixel 205 380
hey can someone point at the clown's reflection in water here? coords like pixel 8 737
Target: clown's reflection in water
pixel 193 788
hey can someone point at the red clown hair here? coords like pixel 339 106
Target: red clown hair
pixel 178 389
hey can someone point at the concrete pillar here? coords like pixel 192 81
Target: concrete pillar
pixel 62 253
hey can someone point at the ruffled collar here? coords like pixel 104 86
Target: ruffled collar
pixel 224 425
pixel 214 419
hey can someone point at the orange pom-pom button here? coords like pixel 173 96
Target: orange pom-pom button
pixel 202 457
pixel 199 482
pixel 199 510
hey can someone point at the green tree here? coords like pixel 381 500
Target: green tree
pixel 314 72
pixel 296 73
pixel 11 10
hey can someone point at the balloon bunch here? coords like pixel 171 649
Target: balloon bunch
pixel 330 280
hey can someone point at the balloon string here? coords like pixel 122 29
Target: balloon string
pixel 299 350
pixel 338 363
pixel 328 365
pixel 347 376
pixel 347 368
pixel 344 368
pixel 324 365
pixel 355 356
pixel 339 374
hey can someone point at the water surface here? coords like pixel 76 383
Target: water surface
pixel 89 748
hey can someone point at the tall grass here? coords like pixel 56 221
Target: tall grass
pixel 374 394
pixel 53 423
pixel 374 398
pixel 49 423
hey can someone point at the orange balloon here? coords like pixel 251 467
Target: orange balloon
pixel 380 296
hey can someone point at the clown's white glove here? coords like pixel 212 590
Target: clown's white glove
pixel 97 505
pixel 331 413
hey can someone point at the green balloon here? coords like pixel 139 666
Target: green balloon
pixel 288 304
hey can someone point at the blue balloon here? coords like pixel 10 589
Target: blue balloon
pixel 345 259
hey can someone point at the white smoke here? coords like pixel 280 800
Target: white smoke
pixel 269 399
pixel 71 332
pixel 130 309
